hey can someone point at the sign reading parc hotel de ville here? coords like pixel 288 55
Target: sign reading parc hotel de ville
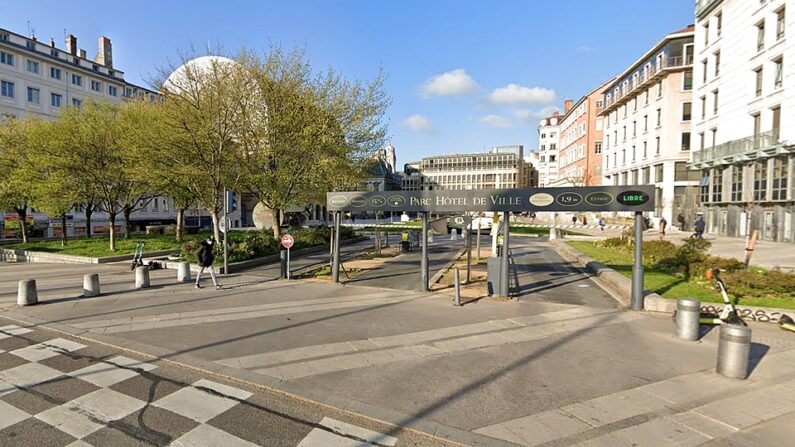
pixel 587 198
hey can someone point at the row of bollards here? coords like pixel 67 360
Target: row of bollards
pixel 734 344
pixel 27 293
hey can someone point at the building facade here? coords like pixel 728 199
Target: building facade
pixel 648 110
pixel 580 153
pixel 502 167
pixel 744 106
pixel 548 141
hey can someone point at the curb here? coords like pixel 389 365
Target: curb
pixel 438 275
pixel 14 255
pixel 620 287
pixel 295 391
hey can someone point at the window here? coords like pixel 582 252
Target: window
pixel 645 176
pixel 701 140
pixel 635 177
pixel 776 118
pixel 687 81
pixel 633 152
pixel 3 37
pixel 646 102
pixel 607 142
pixel 645 123
pixel 625 133
pixel 33 95
pixel 760 181
pixel 55 73
pixel 658 173
pixel 625 178
pixel 659 89
pixel 757 117
pixel 112 90
pixel 706 34
pixel 30 45
pixel 55 99
pixel 634 128
pixel 715 102
pixel 76 102
pixel 597 147
pixel 779 178
pixel 659 117
pixel 687 111
pixel 33 66
pixel 54 52
pixel 607 160
pixel 717 63
pixel 95 67
pixel 681 173
pixel 717 185
pixel 623 156
pixel 645 149
pixel 778 70
pixel 7 58
pixel 704 71
pixel 7 89
pixel 737 184
pixel 780 24
pixel 703 107
pixel 704 193
pixel 96 86
pixel 685 141
pixel 758 74
pixel 77 80
pixel 760 36
pixel 714 136
pixel 635 104
pixel 657 146
pixel 718 23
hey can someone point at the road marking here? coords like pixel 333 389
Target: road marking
pixel 47 349
pixel 89 413
pixel 199 404
pixel 345 435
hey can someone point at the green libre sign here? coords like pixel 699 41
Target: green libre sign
pixel 589 198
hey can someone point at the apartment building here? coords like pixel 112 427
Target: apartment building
pixel 648 110
pixel 580 148
pixel 744 110
pixel 501 167
pixel 548 141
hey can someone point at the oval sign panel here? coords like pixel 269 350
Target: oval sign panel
pixel 358 201
pixel 396 200
pixel 541 199
pixel 599 198
pixel 377 201
pixel 569 199
pixel 338 201
pixel 632 198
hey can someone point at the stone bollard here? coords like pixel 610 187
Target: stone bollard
pixel 734 349
pixel 687 315
pixel 141 277
pixel 183 272
pixel 430 237
pixel 454 234
pixel 91 284
pixel 553 233
pixel 27 294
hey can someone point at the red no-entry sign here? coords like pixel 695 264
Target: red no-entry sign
pixel 287 241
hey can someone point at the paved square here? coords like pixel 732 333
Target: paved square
pixel 112 371
pixel 198 404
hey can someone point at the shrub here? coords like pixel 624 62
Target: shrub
pixel 613 242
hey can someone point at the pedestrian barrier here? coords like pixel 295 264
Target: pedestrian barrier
pixel 91 284
pixel 687 318
pixel 141 277
pixel 734 350
pixel 183 272
pixel 27 295
pixel 457 280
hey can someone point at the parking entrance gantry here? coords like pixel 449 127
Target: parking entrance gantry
pixel 630 198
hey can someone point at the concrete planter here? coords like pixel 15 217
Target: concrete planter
pixel 13 255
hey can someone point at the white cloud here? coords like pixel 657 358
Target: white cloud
pixel 495 121
pixel 531 116
pixel 456 82
pixel 418 123
pixel 583 49
pixel 519 94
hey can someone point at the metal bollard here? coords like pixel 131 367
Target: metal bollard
pixel 27 294
pixel 141 277
pixel 183 272
pixel 91 284
pixel 687 314
pixel 453 234
pixel 734 349
pixel 457 280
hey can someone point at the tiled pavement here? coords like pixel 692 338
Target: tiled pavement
pixel 60 392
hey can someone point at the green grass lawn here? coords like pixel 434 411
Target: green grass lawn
pixel 98 247
pixel 669 285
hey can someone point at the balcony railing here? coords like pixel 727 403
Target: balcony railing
pixel 649 74
pixel 702 6
pixel 753 143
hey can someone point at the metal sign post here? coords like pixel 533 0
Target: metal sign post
pixel 335 264
pixel 637 268
pixel 424 261
pixel 504 261
pixel 287 242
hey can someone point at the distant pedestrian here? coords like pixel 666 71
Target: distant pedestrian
pixel 663 224
pixel 601 224
pixel 574 220
pixel 206 257
pixel 680 219
pixel 584 220
pixel 699 226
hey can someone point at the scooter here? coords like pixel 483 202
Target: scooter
pixel 786 323
pixel 729 313
pixel 138 256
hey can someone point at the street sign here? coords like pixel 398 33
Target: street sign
pixel 287 241
pixel 585 198
pixel 222 225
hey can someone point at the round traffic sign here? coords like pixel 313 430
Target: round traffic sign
pixel 287 241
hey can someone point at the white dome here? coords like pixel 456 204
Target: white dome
pixel 203 64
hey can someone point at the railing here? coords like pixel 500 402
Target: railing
pixel 654 69
pixel 760 141
pixel 704 5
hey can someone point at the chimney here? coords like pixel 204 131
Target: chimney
pixel 52 42
pixel 83 53
pixel 71 44
pixel 104 52
pixel 568 105
pixel 555 113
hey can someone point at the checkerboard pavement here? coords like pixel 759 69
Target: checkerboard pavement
pixel 55 391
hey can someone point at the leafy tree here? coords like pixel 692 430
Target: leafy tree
pixel 15 149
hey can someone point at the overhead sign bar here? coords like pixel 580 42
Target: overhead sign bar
pixel 586 198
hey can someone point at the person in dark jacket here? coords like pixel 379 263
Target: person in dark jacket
pixel 206 257
pixel 699 227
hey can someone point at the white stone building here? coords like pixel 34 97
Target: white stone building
pixel 647 114
pixel 548 147
pixel 744 110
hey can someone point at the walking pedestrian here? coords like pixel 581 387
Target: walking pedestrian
pixel 601 224
pixel 699 227
pixel 574 220
pixel 680 219
pixel 206 256
pixel 584 220
pixel 663 224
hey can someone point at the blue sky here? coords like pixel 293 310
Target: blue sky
pixel 463 75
